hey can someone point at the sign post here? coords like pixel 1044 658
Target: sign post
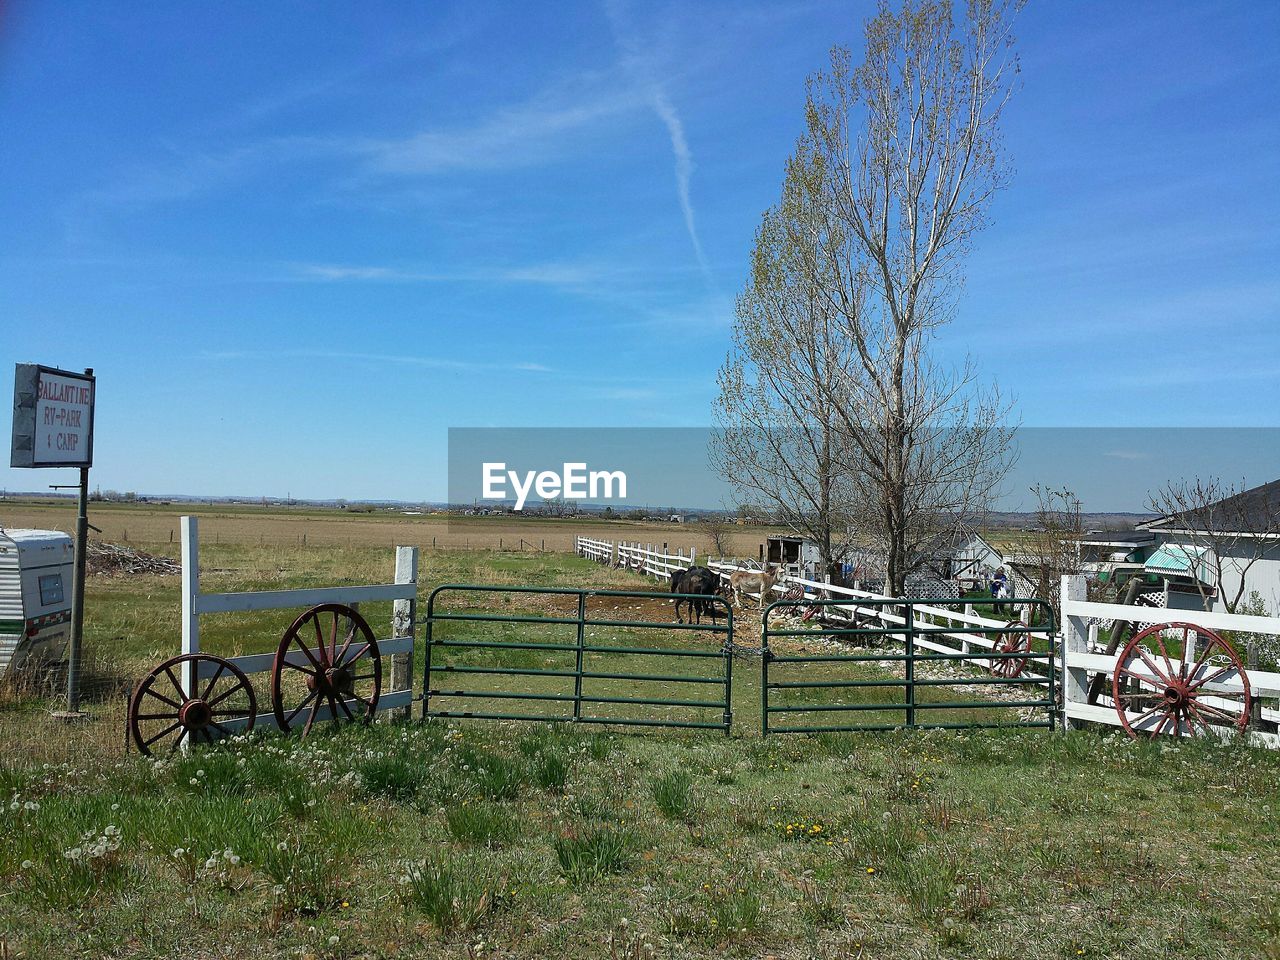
pixel 53 427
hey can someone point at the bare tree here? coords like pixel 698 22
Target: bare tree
pixel 906 148
pixel 1225 531
pixel 1054 545
pixel 777 429
pixel 719 533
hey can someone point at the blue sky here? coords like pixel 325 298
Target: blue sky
pixel 298 242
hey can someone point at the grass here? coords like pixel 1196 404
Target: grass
pixel 1016 844
pixel 405 840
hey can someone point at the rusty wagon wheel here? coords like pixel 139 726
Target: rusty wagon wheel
pixel 161 714
pixel 1174 696
pixel 328 661
pixel 1010 667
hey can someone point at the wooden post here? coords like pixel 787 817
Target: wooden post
pixel 1251 664
pixel 1075 639
pixel 404 623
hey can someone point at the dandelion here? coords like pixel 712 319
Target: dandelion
pixel 871 869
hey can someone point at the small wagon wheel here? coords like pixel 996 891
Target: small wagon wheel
pixel 161 714
pixel 1010 667
pixel 327 661
pixel 1154 693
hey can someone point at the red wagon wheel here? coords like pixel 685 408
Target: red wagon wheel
pixel 1155 693
pixel 161 714
pixel 1010 667
pixel 327 661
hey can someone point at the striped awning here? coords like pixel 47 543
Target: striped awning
pixel 1178 560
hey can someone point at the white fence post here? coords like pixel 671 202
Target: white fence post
pixel 190 591
pixel 1075 639
pixel 404 623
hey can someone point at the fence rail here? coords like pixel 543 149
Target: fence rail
pixel 196 604
pixel 1084 660
pixel 912 636
pixel 579 674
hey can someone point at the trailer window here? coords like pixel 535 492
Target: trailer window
pixel 50 589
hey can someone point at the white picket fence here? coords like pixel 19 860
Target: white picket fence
pixel 399 647
pixel 1084 658
pixel 969 625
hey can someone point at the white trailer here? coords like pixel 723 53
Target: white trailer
pixel 35 597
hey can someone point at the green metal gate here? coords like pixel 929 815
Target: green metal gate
pixel 580 699
pixel 917 708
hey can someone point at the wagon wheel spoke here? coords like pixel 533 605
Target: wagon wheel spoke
pixel 225 694
pixel 166 731
pixel 341 701
pixel 363 651
pixel 1223 671
pixel 320 647
pixel 311 719
pixel 346 645
pixel 151 691
pixel 298 709
pixel 217 674
pixel 1148 713
pixel 1214 711
pixel 168 671
pixel 1141 677
pixel 306 651
pixel 1164 678
pixel 1163 722
pixel 1203 660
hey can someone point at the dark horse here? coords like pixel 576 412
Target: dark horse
pixel 698 580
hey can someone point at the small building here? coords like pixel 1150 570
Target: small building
pixel 35 597
pixel 1102 551
pixel 1250 561
pixel 966 559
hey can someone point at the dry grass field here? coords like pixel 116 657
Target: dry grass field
pixel 155 525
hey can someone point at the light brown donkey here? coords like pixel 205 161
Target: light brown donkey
pixel 754 580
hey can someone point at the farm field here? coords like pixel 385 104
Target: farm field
pixel 474 838
pixel 156 525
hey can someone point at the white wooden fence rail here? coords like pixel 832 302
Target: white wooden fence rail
pixel 1083 658
pixel 397 650
pixel 647 559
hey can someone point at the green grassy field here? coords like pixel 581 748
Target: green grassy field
pixel 523 840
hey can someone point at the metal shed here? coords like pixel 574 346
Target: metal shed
pixel 35 597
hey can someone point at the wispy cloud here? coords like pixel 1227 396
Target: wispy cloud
pixel 516 135
pixel 640 67
pixel 549 274
pixel 406 360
